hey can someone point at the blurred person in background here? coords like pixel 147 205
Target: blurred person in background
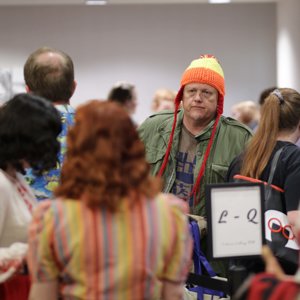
pixel 124 93
pixel 246 112
pixel 29 126
pixel 49 73
pixel 163 99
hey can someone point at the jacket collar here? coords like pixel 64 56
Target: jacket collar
pixel 165 128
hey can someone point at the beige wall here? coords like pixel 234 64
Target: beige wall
pixel 149 45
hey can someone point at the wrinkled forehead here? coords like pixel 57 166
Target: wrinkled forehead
pixel 200 86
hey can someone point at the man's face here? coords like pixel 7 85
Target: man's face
pixel 199 102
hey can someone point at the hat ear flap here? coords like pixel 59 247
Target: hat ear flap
pixel 179 96
pixel 220 104
pixel 177 100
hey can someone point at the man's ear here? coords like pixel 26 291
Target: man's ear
pixel 74 86
pixel 299 126
pixel 27 89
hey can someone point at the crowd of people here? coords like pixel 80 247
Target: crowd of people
pixel 94 206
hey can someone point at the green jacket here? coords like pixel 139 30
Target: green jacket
pixel 230 139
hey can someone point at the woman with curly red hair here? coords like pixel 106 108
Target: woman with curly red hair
pixel 109 234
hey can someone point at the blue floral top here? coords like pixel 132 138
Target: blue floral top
pixel 43 186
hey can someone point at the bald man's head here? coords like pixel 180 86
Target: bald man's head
pixel 50 73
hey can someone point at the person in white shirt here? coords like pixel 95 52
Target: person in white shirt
pixel 29 126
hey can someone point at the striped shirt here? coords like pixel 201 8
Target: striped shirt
pixel 97 254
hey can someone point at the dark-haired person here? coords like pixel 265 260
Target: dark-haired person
pixel 264 94
pixel 110 233
pixel 29 126
pixel 124 93
pixel 49 73
pixel 279 127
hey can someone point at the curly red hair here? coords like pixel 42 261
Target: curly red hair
pixel 105 160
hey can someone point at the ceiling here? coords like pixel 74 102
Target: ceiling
pixel 80 2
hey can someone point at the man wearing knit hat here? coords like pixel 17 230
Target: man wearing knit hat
pixel 194 146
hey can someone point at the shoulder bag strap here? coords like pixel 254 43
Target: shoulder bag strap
pixel 272 172
pixel 274 165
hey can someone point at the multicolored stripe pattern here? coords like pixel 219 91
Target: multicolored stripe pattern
pixel 96 254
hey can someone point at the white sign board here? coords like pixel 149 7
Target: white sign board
pixel 235 219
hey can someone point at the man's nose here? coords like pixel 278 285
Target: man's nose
pixel 198 96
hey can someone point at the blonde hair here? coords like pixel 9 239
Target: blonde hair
pixel 160 95
pixel 246 112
